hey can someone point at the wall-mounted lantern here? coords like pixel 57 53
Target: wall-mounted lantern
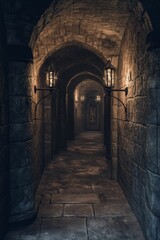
pixel 51 80
pixel 98 98
pixel 109 79
pixel 82 98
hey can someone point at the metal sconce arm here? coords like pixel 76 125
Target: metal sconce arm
pixel 40 89
pixel 109 90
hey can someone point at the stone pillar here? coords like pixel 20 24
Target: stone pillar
pixel 22 188
pixel 152 214
pixel 62 133
pixel 70 116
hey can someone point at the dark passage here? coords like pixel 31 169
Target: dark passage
pixel 76 199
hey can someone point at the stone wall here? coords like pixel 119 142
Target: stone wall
pixel 4 136
pixel 22 149
pixel 138 170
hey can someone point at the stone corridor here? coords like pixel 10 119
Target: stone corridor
pixel 76 199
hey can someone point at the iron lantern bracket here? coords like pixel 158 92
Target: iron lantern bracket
pixel 51 89
pixel 109 90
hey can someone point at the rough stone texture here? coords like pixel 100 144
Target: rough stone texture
pixel 153 192
pixel 4 135
pixel 77 172
pixel 21 143
pixel 98 28
pixel 138 136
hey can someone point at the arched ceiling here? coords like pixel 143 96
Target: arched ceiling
pixel 75 63
pixel 97 24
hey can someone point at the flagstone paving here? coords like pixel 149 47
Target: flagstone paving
pixel 76 199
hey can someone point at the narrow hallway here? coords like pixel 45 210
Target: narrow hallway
pixel 76 199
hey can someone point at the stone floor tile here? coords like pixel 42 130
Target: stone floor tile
pixel 131 227
pixel 78 201
pixel 29 232
pixel 105 229
pixel 75 198
pixel 112 209
pixel 63 229
pixel 78 210
pixel 50 210
pixel 76 189
pixel 46 198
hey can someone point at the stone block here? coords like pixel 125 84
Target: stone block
pixel 159 149
pixel 22 199
pixel 75 198
pixel 4 133
pixel 78 210
pixel 139 154
pixel 140 109
pixel 151 148
pixel 51 210
pixel 63 228
pixel 141 86
pixel 151 225
pixel 21 154
pixel 137 132
pixel 4 162
pixel 153 192
pixel 22 176
pixel 158 104
pixel 4 113
pixel 19 79
pixel 130 110
pixel 21 132
pixel 152 106
pixel 153 69
pixel 20 109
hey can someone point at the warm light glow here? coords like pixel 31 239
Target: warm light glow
pixel 98 98
pixel 82 98
pixel 109 75
pixel 76 95
pixel 51 78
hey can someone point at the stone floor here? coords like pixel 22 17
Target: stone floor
pixel 77 201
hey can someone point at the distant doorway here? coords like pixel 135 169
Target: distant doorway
pixel 93 116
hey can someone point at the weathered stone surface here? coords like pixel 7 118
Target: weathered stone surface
pixel 21 132
pixel 158 104
pixel 22 154
pixel 4 133
pixel 112 208
pixel 153 192
pixel 154 69
pixel 22 200
pixel 22 176
pixel 74 220
pixel 20 79
pixel 151 225
pixel 20 109
pixel 151 148
pixel 159 149
pixel 152 106
pixel 79 210
pixel 64 228
pixel 50 210
pixel 75 198
pixel 140 109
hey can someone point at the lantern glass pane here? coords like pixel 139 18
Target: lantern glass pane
pixel 47 79
pixel 109 77
pixel 98 98
pixel 113 77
